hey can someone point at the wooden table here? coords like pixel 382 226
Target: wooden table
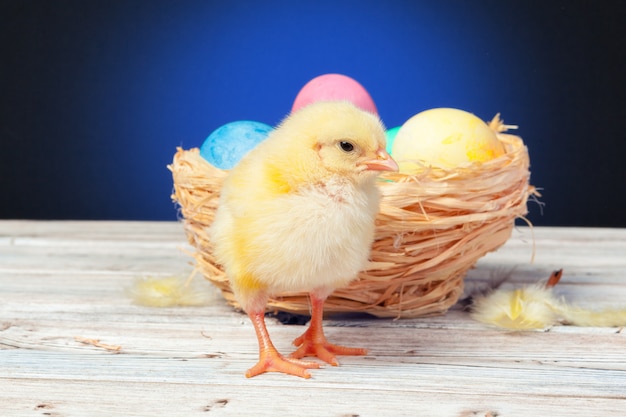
pixel 63 282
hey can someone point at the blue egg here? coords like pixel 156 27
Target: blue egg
pixel 391 136
pixel 225 147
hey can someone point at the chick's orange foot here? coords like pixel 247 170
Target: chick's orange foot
pixel 269 358
pixel 272 361
pixel 312 344
pixel 313 341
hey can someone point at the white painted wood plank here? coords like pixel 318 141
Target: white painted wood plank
pixel 62 280
pixel 136 399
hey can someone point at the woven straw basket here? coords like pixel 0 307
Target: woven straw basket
pixel 431 229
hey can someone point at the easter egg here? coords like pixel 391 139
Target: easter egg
pixel 334 87
pixel 444 138
pixel 225 147
pixel 391 137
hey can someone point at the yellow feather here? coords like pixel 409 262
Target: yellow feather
pixel 590 318
pixel 168 292
pixel 536 307
pixel 526 308
pixel 516 304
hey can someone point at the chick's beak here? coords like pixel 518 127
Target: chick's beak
pixel 383 162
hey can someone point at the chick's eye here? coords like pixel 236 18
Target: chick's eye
pixel 346 146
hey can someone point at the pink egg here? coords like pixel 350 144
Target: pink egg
pixel 334 87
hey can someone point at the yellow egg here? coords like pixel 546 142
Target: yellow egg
pixel 444 138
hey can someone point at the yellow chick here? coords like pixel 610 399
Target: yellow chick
pixel 297 214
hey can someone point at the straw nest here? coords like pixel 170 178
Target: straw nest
pixel 432 228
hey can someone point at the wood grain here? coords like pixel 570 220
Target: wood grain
pixel 62 283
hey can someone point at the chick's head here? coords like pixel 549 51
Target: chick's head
pixel 340 139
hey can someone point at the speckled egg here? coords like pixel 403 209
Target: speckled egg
pixel 225 147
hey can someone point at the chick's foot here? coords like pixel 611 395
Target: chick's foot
pixel 272 361
pixel 269 358
pixel 312 343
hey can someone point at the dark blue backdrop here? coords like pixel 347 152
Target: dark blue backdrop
pixel 96 95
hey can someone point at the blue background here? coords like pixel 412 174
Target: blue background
pixel 96 95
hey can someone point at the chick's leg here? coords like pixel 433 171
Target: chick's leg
pixel 269 358
pixel 313 341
